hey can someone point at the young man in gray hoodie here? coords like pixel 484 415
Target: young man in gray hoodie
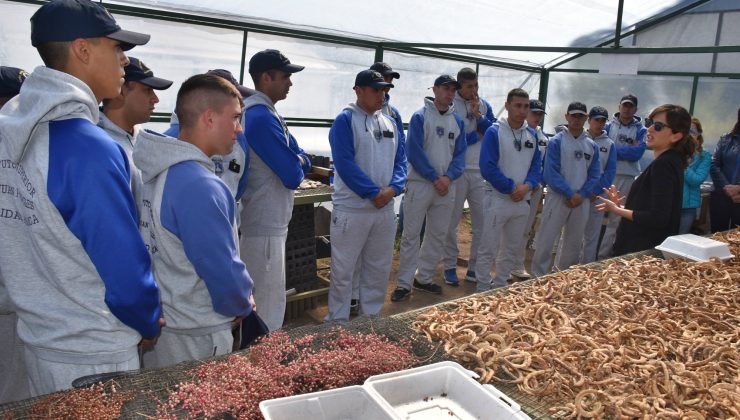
pixel 276 168
pixel 133 106
pixel 189 224
pixel 435 148
pixel 370 165
pixel 477 114
pixel 73 261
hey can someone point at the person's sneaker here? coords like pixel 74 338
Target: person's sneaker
pixel 400 294
pixel 354 307
pixel 450 276
pixel 429 288
pixel 470 276
pixel 522 274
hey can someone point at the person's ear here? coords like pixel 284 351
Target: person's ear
pixel 207 118
pixel 79 49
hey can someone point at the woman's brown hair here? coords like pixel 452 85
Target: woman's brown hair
pixel 700 137
pixel 679 121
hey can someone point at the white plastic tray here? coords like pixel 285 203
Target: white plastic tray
pixel 443 390
pixel 352 402
pixel 693 247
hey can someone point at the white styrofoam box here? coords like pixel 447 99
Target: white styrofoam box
pixel 442 390
pixel 693 247
pixel 352 402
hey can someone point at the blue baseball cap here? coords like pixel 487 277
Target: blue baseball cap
pixel 137 71
pixel 11 79
pixel 271 60
pixel 371 78
pixel 67 20
pixel 446 79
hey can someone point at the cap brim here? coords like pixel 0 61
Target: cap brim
pixel 379 85
pixel 627 101
pixel 292 68
pixel 393 74
pixel 156 82
pixel 129 39
pixel 537 110
pixel 577 111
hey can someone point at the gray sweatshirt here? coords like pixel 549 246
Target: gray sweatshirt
pixel 72 259
pixel 126 141
pixel 373 161
pixel 462 109
pixel 189 227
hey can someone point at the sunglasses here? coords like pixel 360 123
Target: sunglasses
pixel 659 126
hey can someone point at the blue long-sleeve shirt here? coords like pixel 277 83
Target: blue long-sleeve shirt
pixel 518 164
pixel 429 156
pixel 266 136
pixel 566 173
pixel 198 209
pixel 362 162
pixel 88 182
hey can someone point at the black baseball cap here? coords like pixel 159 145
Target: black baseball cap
pixel 628 98
pixel 446 79
pixel 137 71
pixel 67 20
pixel 243 90
pixel 11 79
pixel 385 70
pixel 535 105
pixel 577 108
pixel 598 112
pixel 371 78
pixel 271 60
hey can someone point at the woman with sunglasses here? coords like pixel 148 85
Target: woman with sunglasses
pixel 695 174
pixel 652 211
pixel 724 204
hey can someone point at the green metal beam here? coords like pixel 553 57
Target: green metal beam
pixel 461 57
pixel 655 73
pixel 643 26
pixel 694 87
pixel 582 50
pixel 618 30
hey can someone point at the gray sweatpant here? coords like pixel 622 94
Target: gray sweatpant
pixel 362 245
pixel 14 378
pixel 502 236
pixel 470 187
pixel 556 216
pixel 173 348
pixel 422 199
pixel 264 257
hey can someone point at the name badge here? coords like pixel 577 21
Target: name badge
pixel 587 156
pixel 451 136
pixel 234 167
pixel 388 134
pixel 528 144
pixel 603 149
pixel 542 143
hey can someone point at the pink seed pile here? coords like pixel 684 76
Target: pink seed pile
pixel 279 366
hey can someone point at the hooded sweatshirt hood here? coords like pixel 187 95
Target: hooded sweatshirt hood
pixel 259 98
pixel 48 94
pixel 154 153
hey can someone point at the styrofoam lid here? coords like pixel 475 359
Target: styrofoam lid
pixel 695 248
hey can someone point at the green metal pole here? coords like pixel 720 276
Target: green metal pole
pixel 618 30
pixel 244 56
pixel 694 87
pixel 379 53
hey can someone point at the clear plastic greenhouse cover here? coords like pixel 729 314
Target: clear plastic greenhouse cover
pixel 558 23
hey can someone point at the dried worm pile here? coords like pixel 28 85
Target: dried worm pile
pixel 644 338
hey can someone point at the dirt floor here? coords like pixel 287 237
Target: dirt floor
pixel 418 299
